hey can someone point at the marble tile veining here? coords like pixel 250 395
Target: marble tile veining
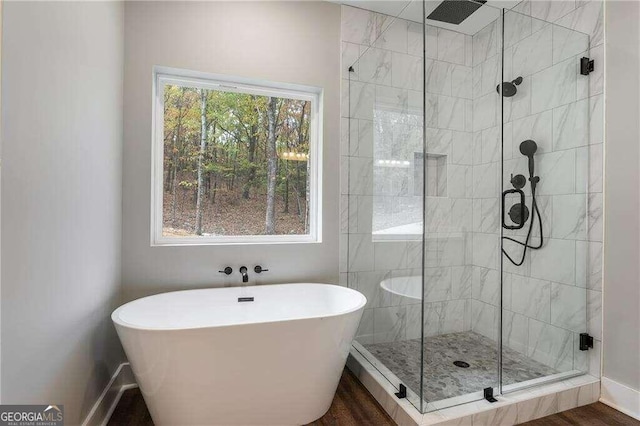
pixel 551 10
pixel 586 19
pixel 533 54
pixel 361 26
pixel 451 46
pixel 485 43
pixel 554 86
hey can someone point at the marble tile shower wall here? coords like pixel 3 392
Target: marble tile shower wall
pixel 556 293
pixel 382 121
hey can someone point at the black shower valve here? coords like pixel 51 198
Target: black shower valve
pixel 519 213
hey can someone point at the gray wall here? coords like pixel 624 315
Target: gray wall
pixel 61 216
pixel 621 308
pixel 0 146
pixel 294 42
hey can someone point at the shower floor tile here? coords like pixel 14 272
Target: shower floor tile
pixel 442 379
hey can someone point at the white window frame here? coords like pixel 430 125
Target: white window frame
pixel 195 79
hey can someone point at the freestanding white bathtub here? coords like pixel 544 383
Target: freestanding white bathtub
pixel 202 357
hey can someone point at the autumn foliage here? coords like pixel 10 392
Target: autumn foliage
pixel 234 163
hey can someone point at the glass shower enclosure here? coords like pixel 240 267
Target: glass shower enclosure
pixel 464 196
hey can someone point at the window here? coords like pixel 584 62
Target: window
pixel 235 161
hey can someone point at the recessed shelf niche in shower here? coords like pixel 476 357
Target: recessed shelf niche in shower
pixel 435 168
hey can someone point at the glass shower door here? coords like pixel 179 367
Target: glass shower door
pixel 544 222
pixel 382 196
pixel 462 165
pixel 465 197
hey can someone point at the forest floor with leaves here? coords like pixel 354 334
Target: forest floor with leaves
pixel 229 215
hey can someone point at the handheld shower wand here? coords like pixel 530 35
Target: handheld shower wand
pixel 528 148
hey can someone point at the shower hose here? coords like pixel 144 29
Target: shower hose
pixel 536 211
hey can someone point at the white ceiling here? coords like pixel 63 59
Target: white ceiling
pixel 412 11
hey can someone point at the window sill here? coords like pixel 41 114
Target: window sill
pixel 235 240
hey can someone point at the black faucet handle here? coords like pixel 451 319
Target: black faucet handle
pixel 258 269
pixel 227 270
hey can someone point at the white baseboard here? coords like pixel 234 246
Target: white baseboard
pixel 102 410
pixel 620 397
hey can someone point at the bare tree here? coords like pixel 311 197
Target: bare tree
pixel 203 145
pixel 251 155
pixel 252 137
pixel 272 167
pixel 307 198
pixel 175 156
pixel 304 136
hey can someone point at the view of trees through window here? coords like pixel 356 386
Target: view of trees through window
pixel 234 163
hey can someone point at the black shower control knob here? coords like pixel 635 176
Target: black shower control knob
pixel 519 213
pixel 227 270
pixel 518 181
pixel 258 269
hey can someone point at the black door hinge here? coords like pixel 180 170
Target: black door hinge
pixel 586 66
pixel 402 393
pixel 586 341
pixel 488 395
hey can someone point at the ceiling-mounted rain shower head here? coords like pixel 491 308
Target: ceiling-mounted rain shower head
pixel 455 11
pixel 509 88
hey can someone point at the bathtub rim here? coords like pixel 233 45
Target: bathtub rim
pixel 119 322
pixel 385 287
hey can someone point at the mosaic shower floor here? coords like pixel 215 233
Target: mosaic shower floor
pixel 443 379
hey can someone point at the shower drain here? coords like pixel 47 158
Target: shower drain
pixel 461 364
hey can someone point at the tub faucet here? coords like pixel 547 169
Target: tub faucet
pixel 245 276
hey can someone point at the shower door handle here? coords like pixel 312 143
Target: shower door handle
pixel 523 207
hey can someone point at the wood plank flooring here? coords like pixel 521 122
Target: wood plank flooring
pixel 131 410
pixel 353 405
pixel 597 414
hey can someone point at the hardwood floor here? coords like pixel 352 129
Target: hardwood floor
pixel 131 410
pixel 596 414
pixel 353 405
